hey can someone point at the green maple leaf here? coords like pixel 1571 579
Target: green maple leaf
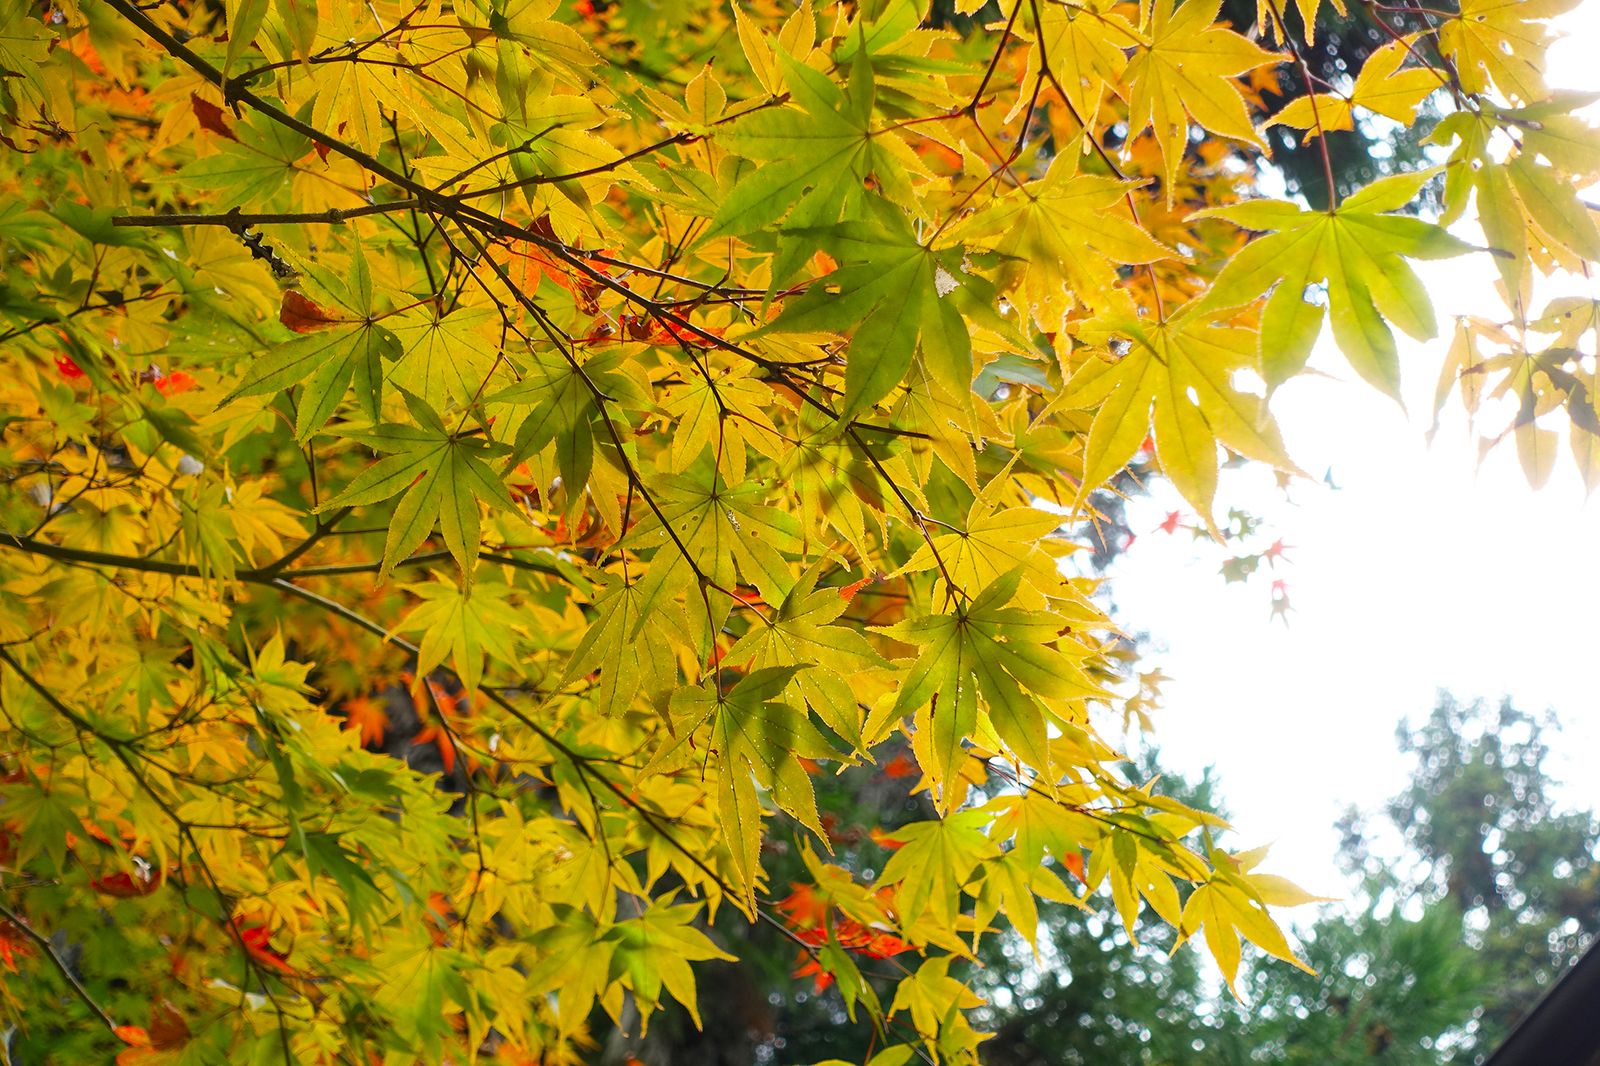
pixel 990 543
pixel 443 475
pixel 800 635
pixel 755 738
pixel 463 622
pixel 554 403
pixel 325 362
pixel 987 647
pixel 722 534
pixel 255 167
pixel 326 854
pixel 445 356
pixel 934 861
pixel 822 153
pixel 653 952
pixel 1360 252
pixel 889 292
pixel 622 643
pixel 1065 234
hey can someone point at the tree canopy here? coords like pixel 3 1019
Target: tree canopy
pixel 474 470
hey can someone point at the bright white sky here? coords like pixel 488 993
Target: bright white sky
pixel 1424 571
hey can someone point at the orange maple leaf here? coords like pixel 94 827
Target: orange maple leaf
pixel 367 715
pixel 849 591
pixel 12 944
pixel 804 908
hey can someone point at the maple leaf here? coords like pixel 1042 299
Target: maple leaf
pixel 443 475
pixel 823 655
pixel 1177 376
pixel 253 168
pixel 803 908
pixel 755 738
pixel 1360 252
pixel 1066 235
pixel 444 358
pixel 1381 87
pixel 901 765
pixel 933 863
pixel 125 885
pixel 304 315
pixel 983 646
pixel 1084 43
pixel 819 154
pixel 1226 909
pixel 1185 73
pixel 465 623
pixel 1269 17
pixel 367 716
pixel 653 952
pixel 555 403
pixel 722 535
pixel 629 652
pixel 1501 42
pixel 14 944
pixel 701 412
pixel 889 293
pixel 935 1001
pixel 257 941
pixel 990 543
pixel 325 361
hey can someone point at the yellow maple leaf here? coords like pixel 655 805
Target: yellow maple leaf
pixel 1185 73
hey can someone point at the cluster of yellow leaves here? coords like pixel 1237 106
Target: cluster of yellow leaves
pixel 505 453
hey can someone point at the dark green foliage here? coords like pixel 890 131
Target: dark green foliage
pixel 1481 818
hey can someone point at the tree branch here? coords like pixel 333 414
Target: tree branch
pixel 236 219
pixel 49 949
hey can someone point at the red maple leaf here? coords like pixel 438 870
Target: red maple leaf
pixel 812 967
pixel 804 908
pixel 209 117
pixel 303 315
pixel 167 1027
pixel 902 765
pixel 13 942
pixel 258 943
pixel 125 885
pixel 168 1031
pixel 884 946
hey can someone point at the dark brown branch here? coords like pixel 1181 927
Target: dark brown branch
pixel 265 575
pixel 238 220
